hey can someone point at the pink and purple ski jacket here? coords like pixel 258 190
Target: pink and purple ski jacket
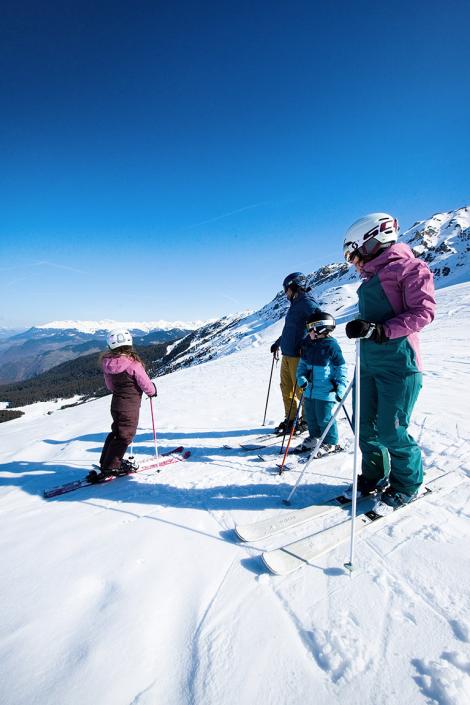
pixel 397 291
pixel 126 378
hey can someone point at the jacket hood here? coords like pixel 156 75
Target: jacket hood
pixel 115 365
pixel 394 253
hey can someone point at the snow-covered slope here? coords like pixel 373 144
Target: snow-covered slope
pixel 138 593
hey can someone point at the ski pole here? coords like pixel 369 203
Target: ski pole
pixel 154 431
pixel 357 399
pixel 294 426
pixel 348 418
pixel 319 442
pixel 275 358
pixel 288 416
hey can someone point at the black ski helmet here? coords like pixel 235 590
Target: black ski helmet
pixel 321 322
pixel 295 281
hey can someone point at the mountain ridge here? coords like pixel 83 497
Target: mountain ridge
pixel 142 327
pixel 443 241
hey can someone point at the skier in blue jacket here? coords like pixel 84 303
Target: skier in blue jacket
pixel 322 374
pixel 302 305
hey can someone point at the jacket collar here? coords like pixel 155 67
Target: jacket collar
pixel 397 251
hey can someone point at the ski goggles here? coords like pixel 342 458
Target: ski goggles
pixel 368 248
pixel 318 326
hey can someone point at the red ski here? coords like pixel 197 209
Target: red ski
pixel 171 456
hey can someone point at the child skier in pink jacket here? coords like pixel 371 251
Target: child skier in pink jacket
pixel 126 378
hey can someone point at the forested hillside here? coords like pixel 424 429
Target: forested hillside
pixel 82 377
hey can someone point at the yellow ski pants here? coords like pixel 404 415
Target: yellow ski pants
pixel 288 370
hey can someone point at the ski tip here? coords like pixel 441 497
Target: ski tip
pixel 270 564
pixel 186 454
pixel 238 531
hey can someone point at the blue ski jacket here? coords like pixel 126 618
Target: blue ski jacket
pixel 301 307
pixel 322 365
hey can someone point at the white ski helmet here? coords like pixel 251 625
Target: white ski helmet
pixel 118 337
pixel 369 234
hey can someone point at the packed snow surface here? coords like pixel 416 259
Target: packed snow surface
pixel 138 593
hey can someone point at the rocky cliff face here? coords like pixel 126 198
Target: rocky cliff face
pixel 443 241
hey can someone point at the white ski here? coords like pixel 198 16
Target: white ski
pixel 281 521
pixel 289 558
pixel 286 520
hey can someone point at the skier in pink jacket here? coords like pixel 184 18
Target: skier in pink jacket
pixel 126 378
pixel 396 301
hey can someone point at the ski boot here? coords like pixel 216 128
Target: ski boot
pixel 99 475
pixel 366 487
pixel 395 499
pixel 307 446
pixel 327 449
pixel 127 466
pixel 284 427
pixel 280 428
pixel 301 426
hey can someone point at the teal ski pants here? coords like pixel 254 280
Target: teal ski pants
pixel 387 401
pixel 318 414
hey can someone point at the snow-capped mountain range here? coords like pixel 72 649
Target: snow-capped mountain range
pixel 93 327
pixel 443 241
pixel 38 349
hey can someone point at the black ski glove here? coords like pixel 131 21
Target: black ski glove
pixel 338 396
pixel 275 347
pixel 365 329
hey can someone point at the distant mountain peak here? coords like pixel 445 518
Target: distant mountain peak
pixel 443 241
pixel 105 325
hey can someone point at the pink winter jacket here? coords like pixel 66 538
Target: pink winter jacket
pixel 408 285
pixel 117 365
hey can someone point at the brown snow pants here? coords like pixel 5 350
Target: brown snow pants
pixel 123 431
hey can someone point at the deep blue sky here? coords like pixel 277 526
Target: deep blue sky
pixel 176 160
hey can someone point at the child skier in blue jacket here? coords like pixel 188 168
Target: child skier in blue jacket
pixel 322 374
